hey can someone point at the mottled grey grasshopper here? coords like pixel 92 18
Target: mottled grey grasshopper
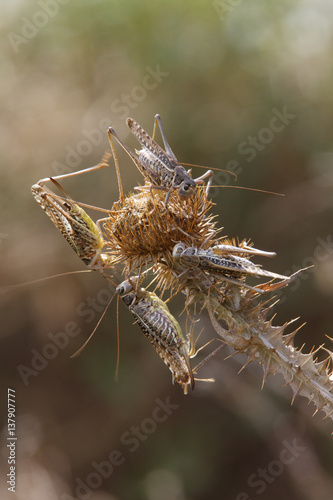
pixel 160 167
pixel 161 329
pixel 228 268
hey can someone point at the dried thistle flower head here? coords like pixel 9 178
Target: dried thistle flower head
pixel 142 230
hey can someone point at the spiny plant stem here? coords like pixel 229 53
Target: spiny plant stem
pixel 249 331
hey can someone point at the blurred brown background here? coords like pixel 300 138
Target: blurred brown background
pixel 218 73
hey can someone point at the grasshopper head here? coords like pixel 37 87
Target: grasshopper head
pixel 178 250
pixel 124 288
pixel 126 293
pixel 186 189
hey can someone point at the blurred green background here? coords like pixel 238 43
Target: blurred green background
pixel 219 73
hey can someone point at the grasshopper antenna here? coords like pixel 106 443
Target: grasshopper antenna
pixel 8 288
pixel 247 189
pixel 115 159
pixel 207 358
pixel 76 353
pixel 116 375
pixel 209 168
pixel 80 203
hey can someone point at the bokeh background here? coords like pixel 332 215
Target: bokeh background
pixel 218 72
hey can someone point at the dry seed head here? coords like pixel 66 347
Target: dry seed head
pixel 142 230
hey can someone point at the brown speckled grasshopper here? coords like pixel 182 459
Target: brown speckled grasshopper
pixel 161 329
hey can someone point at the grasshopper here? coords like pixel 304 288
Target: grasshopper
pixel 229 267
pixel 161 329
pixel 160 167
pixel 83 235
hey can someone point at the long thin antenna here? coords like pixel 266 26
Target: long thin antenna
pixel 76 353
pixel 8 288
pixel 115 158
pixel 207 358
pixel 80 203
pixel 246 189
pixel 209 168
pixel 116 375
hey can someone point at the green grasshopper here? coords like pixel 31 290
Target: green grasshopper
pixel 230 267
pixel 161 329
pixel 160 167
pixel 83 235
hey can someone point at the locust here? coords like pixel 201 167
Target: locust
pixel 160 167
pixel 230 267
pixel 160 328
pixel 79 230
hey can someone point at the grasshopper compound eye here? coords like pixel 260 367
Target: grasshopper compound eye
pixel 67 206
